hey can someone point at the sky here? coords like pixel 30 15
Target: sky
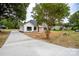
pixel 29 10
pixel 73 8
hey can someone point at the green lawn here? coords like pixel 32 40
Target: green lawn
pixel 3 36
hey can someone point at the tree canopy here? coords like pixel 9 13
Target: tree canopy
pixel 12 13
pixel 13 10
pixel 74 20
pixel 50 13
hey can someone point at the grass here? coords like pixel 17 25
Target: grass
pixel 68 39
pixel 3 36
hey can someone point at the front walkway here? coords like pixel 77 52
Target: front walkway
pixel 19 44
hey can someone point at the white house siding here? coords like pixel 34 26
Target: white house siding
pixel 22 28
pixel 56 27
pixel 28 25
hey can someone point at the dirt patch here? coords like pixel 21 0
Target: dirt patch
pixel 66 39
pixel 3 37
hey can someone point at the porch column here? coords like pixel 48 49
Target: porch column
pixel 32 28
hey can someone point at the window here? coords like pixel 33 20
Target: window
pixel 29 28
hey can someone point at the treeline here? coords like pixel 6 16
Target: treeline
pixel 12 13
pixel 10 24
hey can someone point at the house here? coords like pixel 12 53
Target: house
pixel 2 26
pixel 60 27
pixel 56 27
pixel 31 26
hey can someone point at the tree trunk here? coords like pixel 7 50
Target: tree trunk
pixel 48 33
pixel 38 28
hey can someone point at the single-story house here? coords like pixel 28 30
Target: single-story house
pixel 56 27
pixel 60 27
pixel 2 26
pixel 31 26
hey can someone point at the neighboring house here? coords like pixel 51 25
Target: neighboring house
pixel 31 26
pixel 2 26
pixel 56 27
pixel 60 28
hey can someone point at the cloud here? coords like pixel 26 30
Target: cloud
pixel 29 10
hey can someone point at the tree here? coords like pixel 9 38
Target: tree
pixel 13 10
pixel 50 13
pixel 12 13
pixel 8 23
pixel 74 20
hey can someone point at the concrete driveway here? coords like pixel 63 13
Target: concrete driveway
pixel 19 44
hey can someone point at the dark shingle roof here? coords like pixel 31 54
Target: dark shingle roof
pixel 32 21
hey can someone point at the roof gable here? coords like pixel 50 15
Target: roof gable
pixel 33 22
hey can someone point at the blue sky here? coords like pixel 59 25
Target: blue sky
pixel 73 8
